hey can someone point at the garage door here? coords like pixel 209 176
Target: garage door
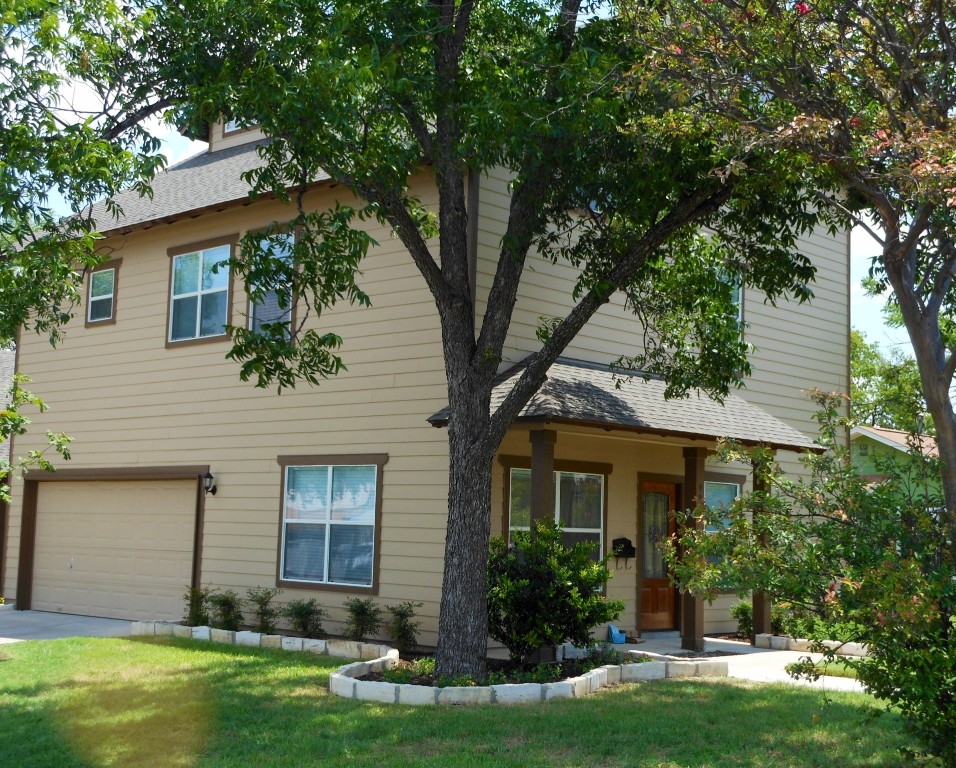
pixel 116 548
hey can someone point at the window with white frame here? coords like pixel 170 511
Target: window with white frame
pixel 274 305
pixel 101 299
pixel 578 506
pixel 328 524
pixel 199 303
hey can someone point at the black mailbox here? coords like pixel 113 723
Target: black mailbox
pixel 623 547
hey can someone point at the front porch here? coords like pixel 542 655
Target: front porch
pixel 612 464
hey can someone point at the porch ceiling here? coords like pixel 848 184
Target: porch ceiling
pixel 587 394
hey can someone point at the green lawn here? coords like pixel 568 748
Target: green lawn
pixel 122 702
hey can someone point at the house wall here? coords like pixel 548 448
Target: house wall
pixel 128 400
pixel 798 346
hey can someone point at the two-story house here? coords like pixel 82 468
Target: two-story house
pixel 341 490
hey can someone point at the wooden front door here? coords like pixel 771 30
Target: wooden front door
pixel 658 595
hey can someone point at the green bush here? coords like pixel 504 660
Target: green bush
pixel 401 629
pixel 197 606
pixel 743 613
pixel 364 618
pixel 226 610
pixel 265 613
pixel 306 617
pixel 541 593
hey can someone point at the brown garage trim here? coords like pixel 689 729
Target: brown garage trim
pixel 28 515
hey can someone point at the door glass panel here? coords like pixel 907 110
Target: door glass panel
pixel 654 532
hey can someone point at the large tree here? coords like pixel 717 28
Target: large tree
pixel 74 91
pixel 618 184
pixel 865 90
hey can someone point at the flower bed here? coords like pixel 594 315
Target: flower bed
pixel 376 657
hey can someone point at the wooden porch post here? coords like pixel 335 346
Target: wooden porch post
pixel 542 474
pixel 692 607
pixel 761 600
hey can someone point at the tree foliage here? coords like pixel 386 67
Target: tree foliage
pixel 886 391
pixel 616 183
pixel 865 92
pixel 870 563
pixel 75 87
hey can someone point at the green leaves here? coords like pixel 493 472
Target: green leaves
pixel 543 593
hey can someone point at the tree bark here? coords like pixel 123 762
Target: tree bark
pixel 463 619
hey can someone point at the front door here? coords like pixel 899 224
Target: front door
pixel 658 595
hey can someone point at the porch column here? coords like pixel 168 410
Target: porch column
pixel 542 474
pixel 761 600
pixel 692 607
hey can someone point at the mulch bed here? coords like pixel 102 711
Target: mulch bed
pixel 701 654
pixel 503 670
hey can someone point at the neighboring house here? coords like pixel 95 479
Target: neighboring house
pixel 341 490
pixel 873 449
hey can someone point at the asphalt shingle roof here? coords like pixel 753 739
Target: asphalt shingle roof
pixel 209 180
pixel 584 393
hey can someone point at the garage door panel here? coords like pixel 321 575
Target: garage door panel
pixel 121 549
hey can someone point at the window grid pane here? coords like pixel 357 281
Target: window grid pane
pixel 200 297
pixel 578 505
pixel 329 524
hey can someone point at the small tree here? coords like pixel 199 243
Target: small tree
pixel 871 563
pixel 541 593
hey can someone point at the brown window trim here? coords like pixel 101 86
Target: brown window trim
pixel 333 459
pixel 179 250
pixel 113 264
pixel 560 465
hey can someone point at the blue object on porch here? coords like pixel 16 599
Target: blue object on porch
pixel 614 634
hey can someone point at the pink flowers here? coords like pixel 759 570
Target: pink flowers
pixel 801 8
pixel 854 122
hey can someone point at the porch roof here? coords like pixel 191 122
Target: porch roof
pixel 587 394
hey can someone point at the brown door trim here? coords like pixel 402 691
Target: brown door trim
pixel 28 514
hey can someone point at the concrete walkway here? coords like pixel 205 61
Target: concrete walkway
pixel 757 664
pixel 16 626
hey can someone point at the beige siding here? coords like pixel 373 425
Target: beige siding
pixel 798 347
pixel 128 400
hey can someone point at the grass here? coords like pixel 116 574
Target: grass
pixel 157 703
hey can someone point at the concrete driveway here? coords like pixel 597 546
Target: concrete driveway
pixel 39 625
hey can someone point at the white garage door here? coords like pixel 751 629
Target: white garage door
pixel 116 548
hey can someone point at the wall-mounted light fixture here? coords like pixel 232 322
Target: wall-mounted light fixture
pixel 209 483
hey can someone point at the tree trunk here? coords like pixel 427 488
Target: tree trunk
pixel 463 621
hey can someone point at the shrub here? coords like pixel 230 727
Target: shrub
pixel 306 617
pixel 542 593
pixel 197 606
pixel 265 613
pixel 364 618
pixel 743 612
pixel 401 629
pixel 226 610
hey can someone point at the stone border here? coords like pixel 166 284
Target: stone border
pixel 784 643
pixel 377 658
pixel 341 649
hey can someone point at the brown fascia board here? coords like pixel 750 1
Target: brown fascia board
pixel 195 213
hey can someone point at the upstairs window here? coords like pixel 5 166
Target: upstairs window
pixel 275 305
pixel 199 293
pixel 101 297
